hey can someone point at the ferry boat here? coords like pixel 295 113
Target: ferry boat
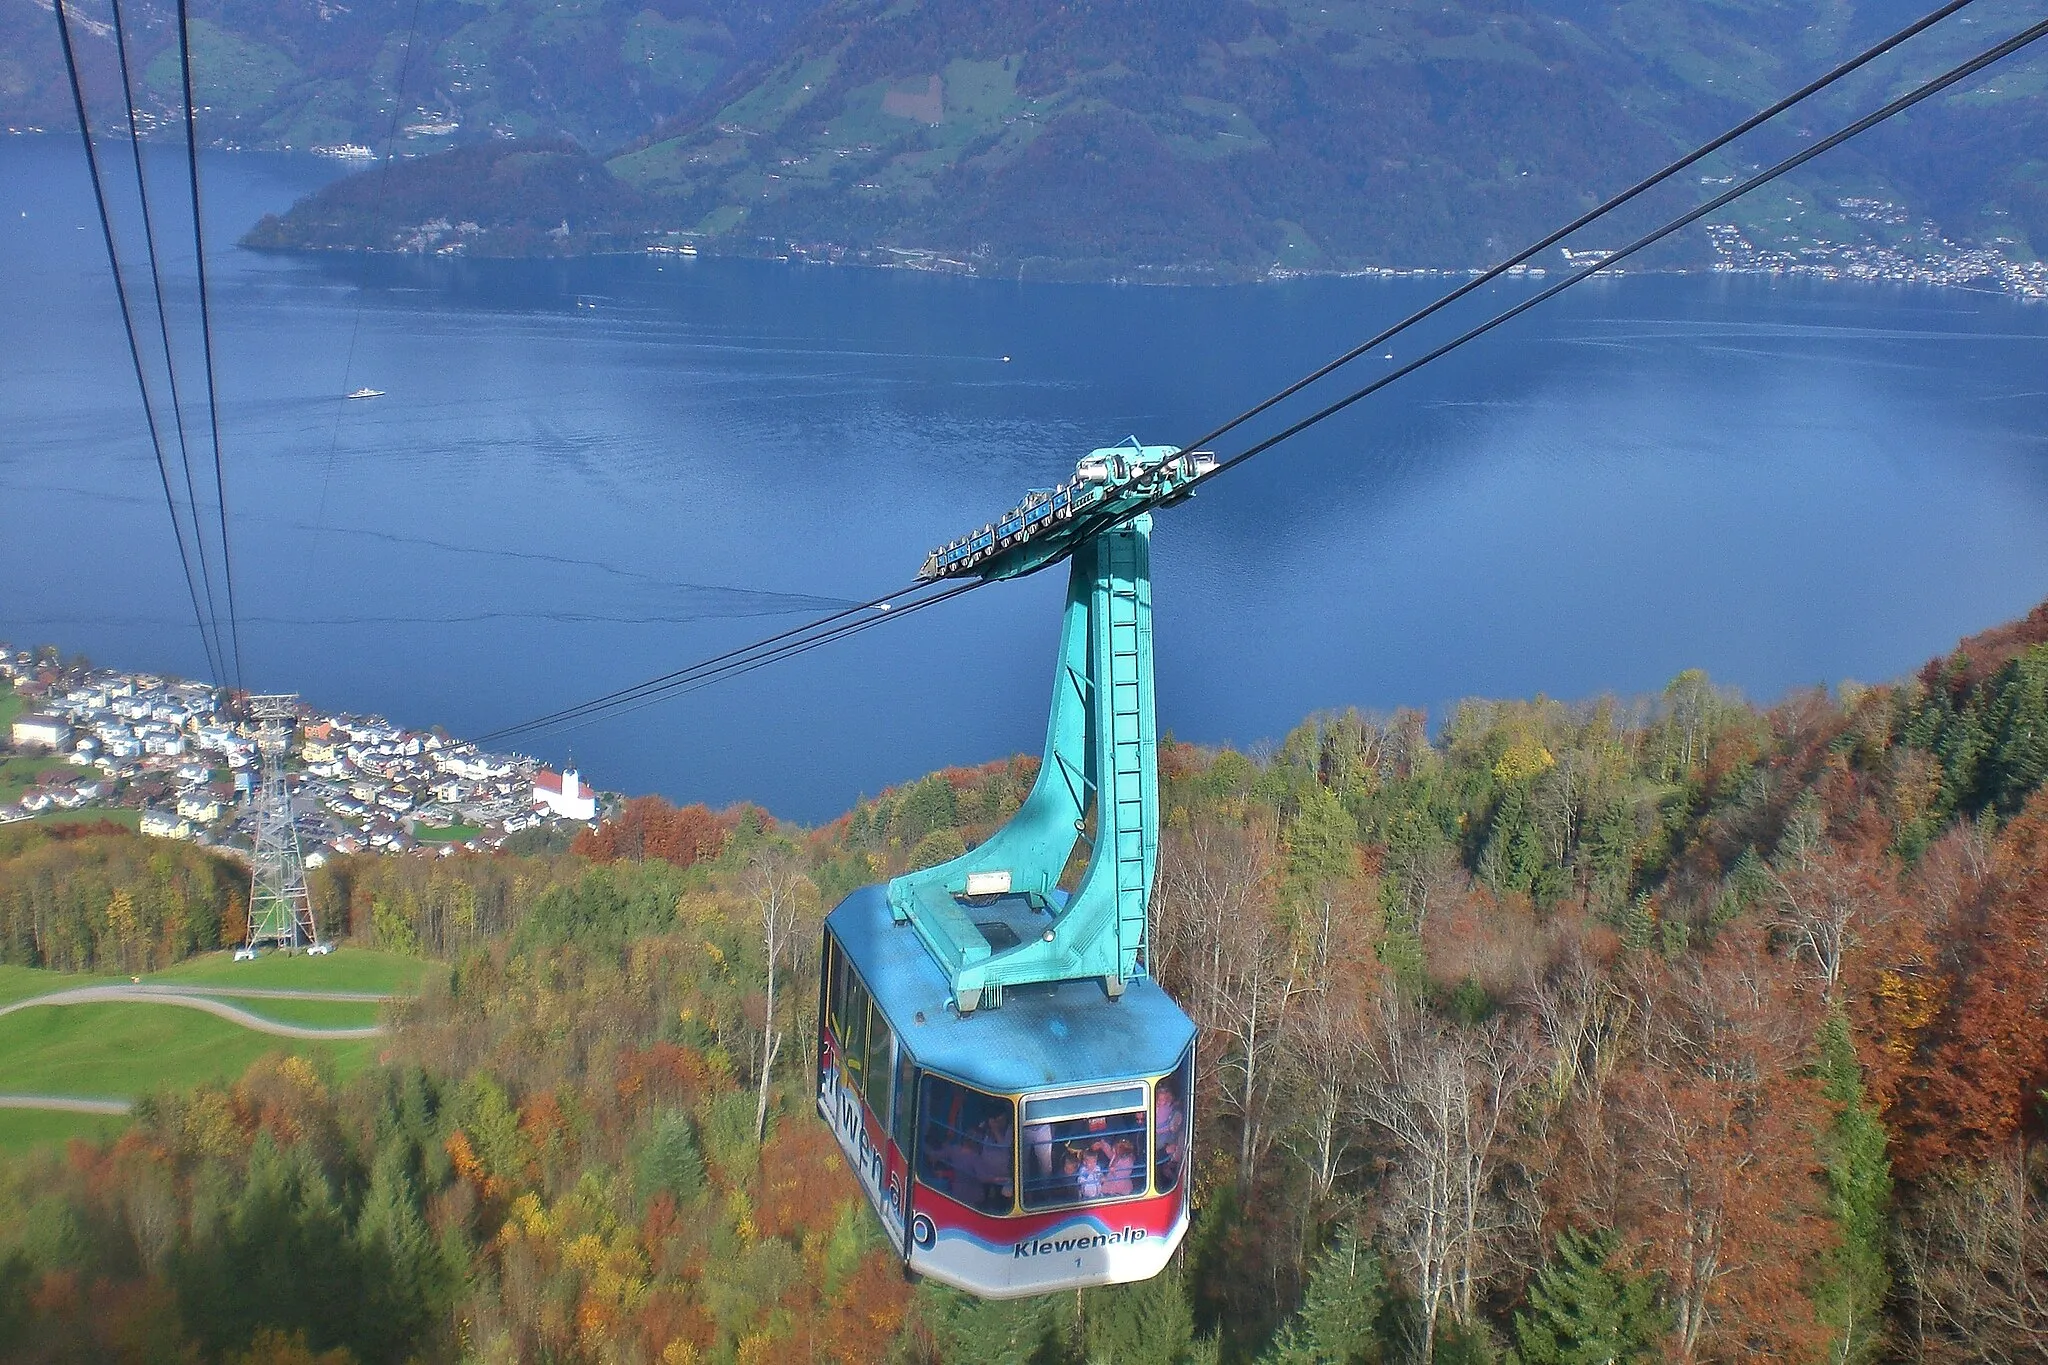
pixel 367 393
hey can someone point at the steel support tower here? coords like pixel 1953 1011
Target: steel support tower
pixel 280 911
pixel 1101 748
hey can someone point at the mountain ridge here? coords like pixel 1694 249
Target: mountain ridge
pixel 1166 139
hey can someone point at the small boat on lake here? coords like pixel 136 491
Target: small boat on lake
pixel 367 393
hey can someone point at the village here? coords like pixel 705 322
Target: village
pixel 1905 253
pixel 171 758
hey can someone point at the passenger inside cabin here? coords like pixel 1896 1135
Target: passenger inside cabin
pixel 1169 1131
pixel 1120 1170
pixel 1084 1159
pixel 964 1150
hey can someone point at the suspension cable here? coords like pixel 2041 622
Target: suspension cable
pixel 800 640
pixel 881 607
pixel 788 651
pixel 206 331
pixel 1641 187
pixel 128 326
pixel 1906 101
pixel 163 325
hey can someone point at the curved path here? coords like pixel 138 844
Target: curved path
pixel 67 1104
pixel 196 998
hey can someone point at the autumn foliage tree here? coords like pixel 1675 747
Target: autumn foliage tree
pixel 1719 1111
pixel 649 827
pixel 1671 1028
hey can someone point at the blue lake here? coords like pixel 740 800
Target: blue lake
pixel 584 474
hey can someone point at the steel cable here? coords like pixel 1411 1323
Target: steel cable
pixel 214 662
pixel 787 651
pixel 1935 86
pixel 745 659
pixel 1635 191
pixel 163 324
pixel 220 488
pixel 624 695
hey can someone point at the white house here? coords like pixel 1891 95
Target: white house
pixel 37 731
pixel 198 804
pixel 564 794
pixel 165 824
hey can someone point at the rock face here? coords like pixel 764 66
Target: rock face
pixel 1188 139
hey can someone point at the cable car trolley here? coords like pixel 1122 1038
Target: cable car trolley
pixel 1011 1088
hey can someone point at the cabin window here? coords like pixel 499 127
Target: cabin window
pixel 1085 1147
pixel 964 1144
pixel 880 1075
pixel 841 980
pixel 1170 1095
pixel 906 1079
pixel 850 1022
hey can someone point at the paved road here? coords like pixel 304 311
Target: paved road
pixel 69 1104
pixel 260 992
pixel 197 998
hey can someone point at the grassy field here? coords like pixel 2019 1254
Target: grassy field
pixel 19 983
pixel 309 1013
pixel 11 706
pixel 123 816
pixel 19 772
pixel 126 1050
pixel 445 834
pixel 345 969
pixel 23 1130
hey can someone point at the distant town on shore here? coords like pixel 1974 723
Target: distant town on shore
pixel 173 759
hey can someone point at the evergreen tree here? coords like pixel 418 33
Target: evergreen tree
pixel 1321 841
pixel 1639 923
pixel 402 1270
pixel 987 1332
pixel 1582 1311
pixel 1339 1309
pixel 17 1275
pixel 670 1160
pixel 282 1257
pixel 1851 1297
pixel 1148 1323
pixel 1514 856
pixel 2016 761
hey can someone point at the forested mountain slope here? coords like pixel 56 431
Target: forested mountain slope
pixel 301 73
pixel 1166 138
pixel 1673 1029
pixel 1168 134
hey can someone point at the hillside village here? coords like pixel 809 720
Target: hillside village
pixel 175 754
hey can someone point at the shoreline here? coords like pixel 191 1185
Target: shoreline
pixel 1968 268
pixel 2026 283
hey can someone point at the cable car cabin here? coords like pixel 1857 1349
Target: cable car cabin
pixel 1010 1085
pixel 1033 1147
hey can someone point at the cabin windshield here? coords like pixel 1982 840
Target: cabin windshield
pixel 1080 1148
pixel 964 1144
pixel 1170 1123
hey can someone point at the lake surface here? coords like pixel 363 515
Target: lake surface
pixel 585 474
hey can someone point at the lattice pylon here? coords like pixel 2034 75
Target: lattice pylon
pixel 280 910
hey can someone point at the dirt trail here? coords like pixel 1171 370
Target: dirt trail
pixel 199 998
pixel 67 1104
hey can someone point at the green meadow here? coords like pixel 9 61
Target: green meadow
pixel 24 1130
pixel 123 1050
pixel 345 969
pixel 307 1013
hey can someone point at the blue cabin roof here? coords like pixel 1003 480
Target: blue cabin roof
pixel 1041 1036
